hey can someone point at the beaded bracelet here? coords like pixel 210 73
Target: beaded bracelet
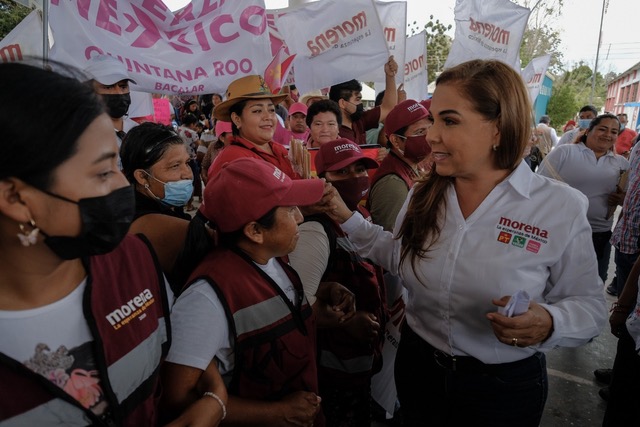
pixel 217 398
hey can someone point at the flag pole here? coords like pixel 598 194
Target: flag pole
pixel 45 33
pixel 595 68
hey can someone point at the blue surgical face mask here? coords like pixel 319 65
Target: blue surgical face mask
pixel 176 193
pixel 584 123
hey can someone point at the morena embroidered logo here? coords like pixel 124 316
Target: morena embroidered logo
pixel 521 235
pixel 345 147
pixel 413 107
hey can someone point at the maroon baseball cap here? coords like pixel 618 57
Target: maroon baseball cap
pixel 246 189
pixel 402 115
pixel 340 153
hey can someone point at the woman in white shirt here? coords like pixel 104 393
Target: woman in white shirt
pixel 592 166
pixel 481 227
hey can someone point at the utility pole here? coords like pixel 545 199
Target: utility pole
pixel 595 68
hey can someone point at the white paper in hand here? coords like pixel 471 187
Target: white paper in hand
pixel 518 304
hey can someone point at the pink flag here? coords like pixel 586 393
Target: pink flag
pixel 278 69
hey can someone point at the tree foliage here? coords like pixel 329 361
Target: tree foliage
pixel 11 14
pixel 562 105
pixel 539 37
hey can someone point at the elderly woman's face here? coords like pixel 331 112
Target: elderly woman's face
pixel 172 166
pixel 324 127
pixel 258 121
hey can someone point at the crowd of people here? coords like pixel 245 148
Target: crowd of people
pixel 188 275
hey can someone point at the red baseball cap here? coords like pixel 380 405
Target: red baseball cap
pixel 340 153
pixel 246 189
pixel 222 127
pixel 298 107
pixel 402 115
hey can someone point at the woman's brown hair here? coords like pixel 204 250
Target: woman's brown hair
pixel 497 92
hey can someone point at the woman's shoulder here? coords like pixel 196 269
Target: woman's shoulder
pixel 552 191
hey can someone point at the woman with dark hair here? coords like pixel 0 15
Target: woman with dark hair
pixel 156 163
pixel 592 166
pixel 324 119
pixel 479 229
pixel 84 307
pixel 191 107
pixel 244 306
pixel 250 107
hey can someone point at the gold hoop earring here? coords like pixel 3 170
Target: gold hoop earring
pixel 28 238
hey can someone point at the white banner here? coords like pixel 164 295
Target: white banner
pixel 24 40
pixel 533 75
pixel 277 40
pixel 383 384
pixel 393 17
pixel 416 79
pixel 199 49
pixel 334 41
pixel 488 29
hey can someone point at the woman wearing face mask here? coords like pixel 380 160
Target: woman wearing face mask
pixel 83 306
pixel 324 254
pixel 250 107
pixel 156 163
pixel 406 130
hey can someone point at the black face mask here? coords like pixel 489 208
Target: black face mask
pixel 117 105
pixel 105 222
pixel 355 116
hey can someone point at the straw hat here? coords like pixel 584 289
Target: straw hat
pixel 313 94
pixel 248 87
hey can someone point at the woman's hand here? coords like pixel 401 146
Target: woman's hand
pixel 618 318
pixel 363 327
pixel 300 409
pixel 326 203
pixel 339 212
pixel 335 305
pixel 530 328
pixel 616 198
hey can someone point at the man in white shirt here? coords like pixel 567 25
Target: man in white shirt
pixel 586 114
pixel 547 135
pixel 110 80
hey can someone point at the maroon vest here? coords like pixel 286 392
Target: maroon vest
pixel 392 164
pixel 274 340
pixel 126 307
pixel 343 362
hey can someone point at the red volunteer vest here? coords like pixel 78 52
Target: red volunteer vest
pixel 392 164
pixel 274 341
pixel 126 307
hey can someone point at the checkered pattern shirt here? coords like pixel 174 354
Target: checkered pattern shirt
pixel 626 234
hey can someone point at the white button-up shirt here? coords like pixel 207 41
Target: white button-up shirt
pixel 576 165
pixel 530 233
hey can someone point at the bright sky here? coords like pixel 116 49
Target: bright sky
pixel 578 25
